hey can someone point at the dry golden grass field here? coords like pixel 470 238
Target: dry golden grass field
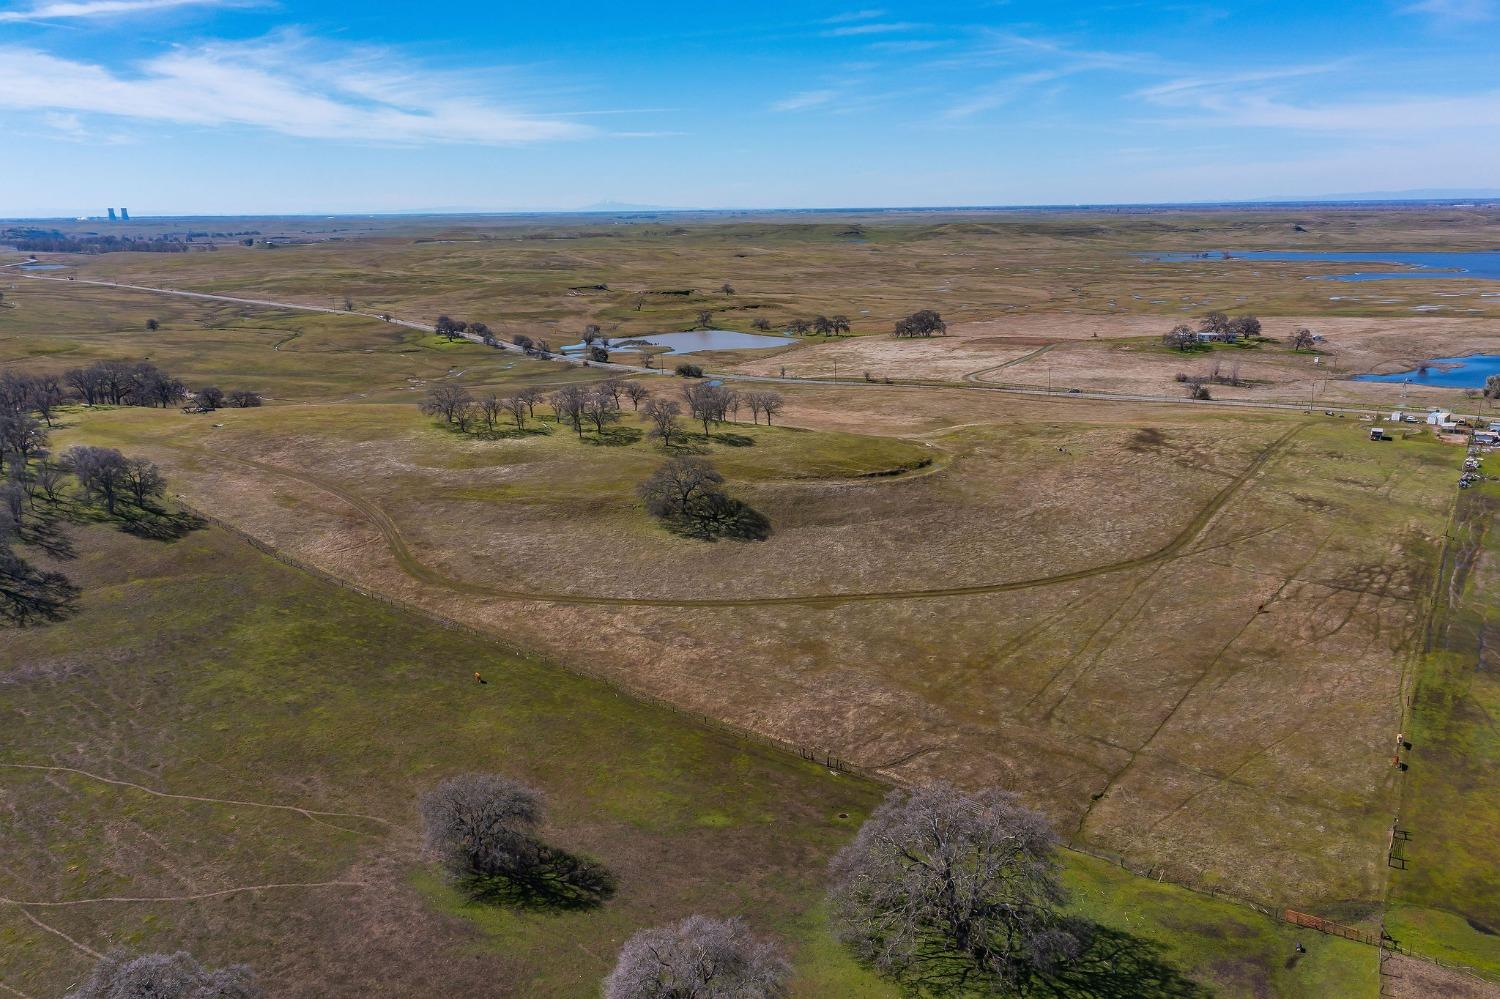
pixel 1189 633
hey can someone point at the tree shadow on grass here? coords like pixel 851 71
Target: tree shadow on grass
pixel 45 534
pixel 1115 965
pixel 29 595
pixel 553 880
pixel 686 446
pixel 721 516
pixel 158 525
pixel 615 437
pixel 733 440
pixel 534 429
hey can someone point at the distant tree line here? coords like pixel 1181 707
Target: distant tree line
pixel 57 242
pixel 135 383
pixel 820 325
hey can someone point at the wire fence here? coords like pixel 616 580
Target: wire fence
pixel 1334 929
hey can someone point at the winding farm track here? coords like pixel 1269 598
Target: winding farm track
pixel 977 377
pixel 414 568
pixel 312 814
pixel 417 570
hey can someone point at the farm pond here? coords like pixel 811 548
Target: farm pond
pixel 1445 372
pixel 1484 265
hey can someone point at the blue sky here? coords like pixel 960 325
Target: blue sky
pixel 242 106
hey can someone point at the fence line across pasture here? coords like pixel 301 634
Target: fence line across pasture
pixel 1332 928
pixel 1180 878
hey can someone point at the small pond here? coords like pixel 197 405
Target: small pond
pixel 1446 372
pixel 696 340
pixel 1479 264
pixel 44 267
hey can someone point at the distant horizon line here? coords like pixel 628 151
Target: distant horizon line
pixel 1487 198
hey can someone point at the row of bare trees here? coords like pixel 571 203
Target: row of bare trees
pixel 210 398
pixel 599 406
pixel 819 325
pixel 114 383
pixel 125 383
pixel 457 329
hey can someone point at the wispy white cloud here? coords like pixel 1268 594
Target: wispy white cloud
pixel 1073 57
pixel 872 28
pixel 1000 93
pixel 1031 63
pixel 907 45
pixel 71 9
pixel 1270 98
pixel 1455 12
pixel 1397 116
pixel 291 85
pixel 1192 88
pixel 804 100
pixel 854 15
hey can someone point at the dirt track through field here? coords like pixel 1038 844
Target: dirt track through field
pixel 312 814
pixel 426 574
pixel 977 377
pixel 972 381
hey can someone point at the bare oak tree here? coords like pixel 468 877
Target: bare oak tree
pixel 568 404
pixel 636 393
pixel 101 473
pixel 144 480
pixel 531 395
pixel 663 415
pixel 922 323
pixel 483 829
pixel 686 493
pixel 446 400
pixel 490 408
pixel 601 405
pixel 1181 337
pixel 698 958
pixel 709 403
pixel 474 823
pixel 165 976
pixel 939 882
